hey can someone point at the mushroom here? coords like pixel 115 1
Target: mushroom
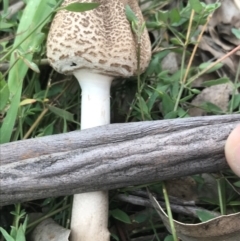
pixel 232 150
pixel 96 46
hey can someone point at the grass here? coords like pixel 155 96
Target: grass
pixel 36 101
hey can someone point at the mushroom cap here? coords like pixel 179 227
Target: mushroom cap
pixel 100 40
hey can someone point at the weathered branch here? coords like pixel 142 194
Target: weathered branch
pixel 112 156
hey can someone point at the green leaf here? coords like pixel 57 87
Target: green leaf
pixel 176 41
pixel 167 104
pixel 236 32
pixel 27 102
pixel 141 217
pixel 62 113
pixel 171 115
pixel 219 81
pixel 143 106
pixel 169 238
pixel 39 38
pixel 31 65
pixel 20 234
pixel 25 224
pixel 162 16
pixel 152 100
pixel 130 14
pixel 79 7
pixel 120 215
pixel 212 7
pixel 182 113
pixel 152 24
pixel 175 89
pixel 13 232
pixel 196 6
pixel 6 235
pixel 35 15
pixel 14 213
pixel 204 215
pixel 48 130
pixel 236 184
pixel 4 94
pixel 153 66
pixel 4 25
pixel 162 54
pixel 236 101
pixel 115 237
pixel 195 91
pixel 210 107
pixel 234 203
pixel 204 66
pixel 174 15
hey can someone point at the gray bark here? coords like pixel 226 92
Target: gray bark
pixel 112 156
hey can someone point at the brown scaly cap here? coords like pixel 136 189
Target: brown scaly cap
pixel 100 40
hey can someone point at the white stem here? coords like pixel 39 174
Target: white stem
pixel 90 210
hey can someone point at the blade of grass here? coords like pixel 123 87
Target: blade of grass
pixel 234 89
pixel 221 184
pixel 212 65
pixel 190 62
pixel 184 60
pixel 35 13
pixel 5 6
pixel 169 212
pixel 48 215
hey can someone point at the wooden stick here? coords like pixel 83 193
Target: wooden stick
pixel 112 156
